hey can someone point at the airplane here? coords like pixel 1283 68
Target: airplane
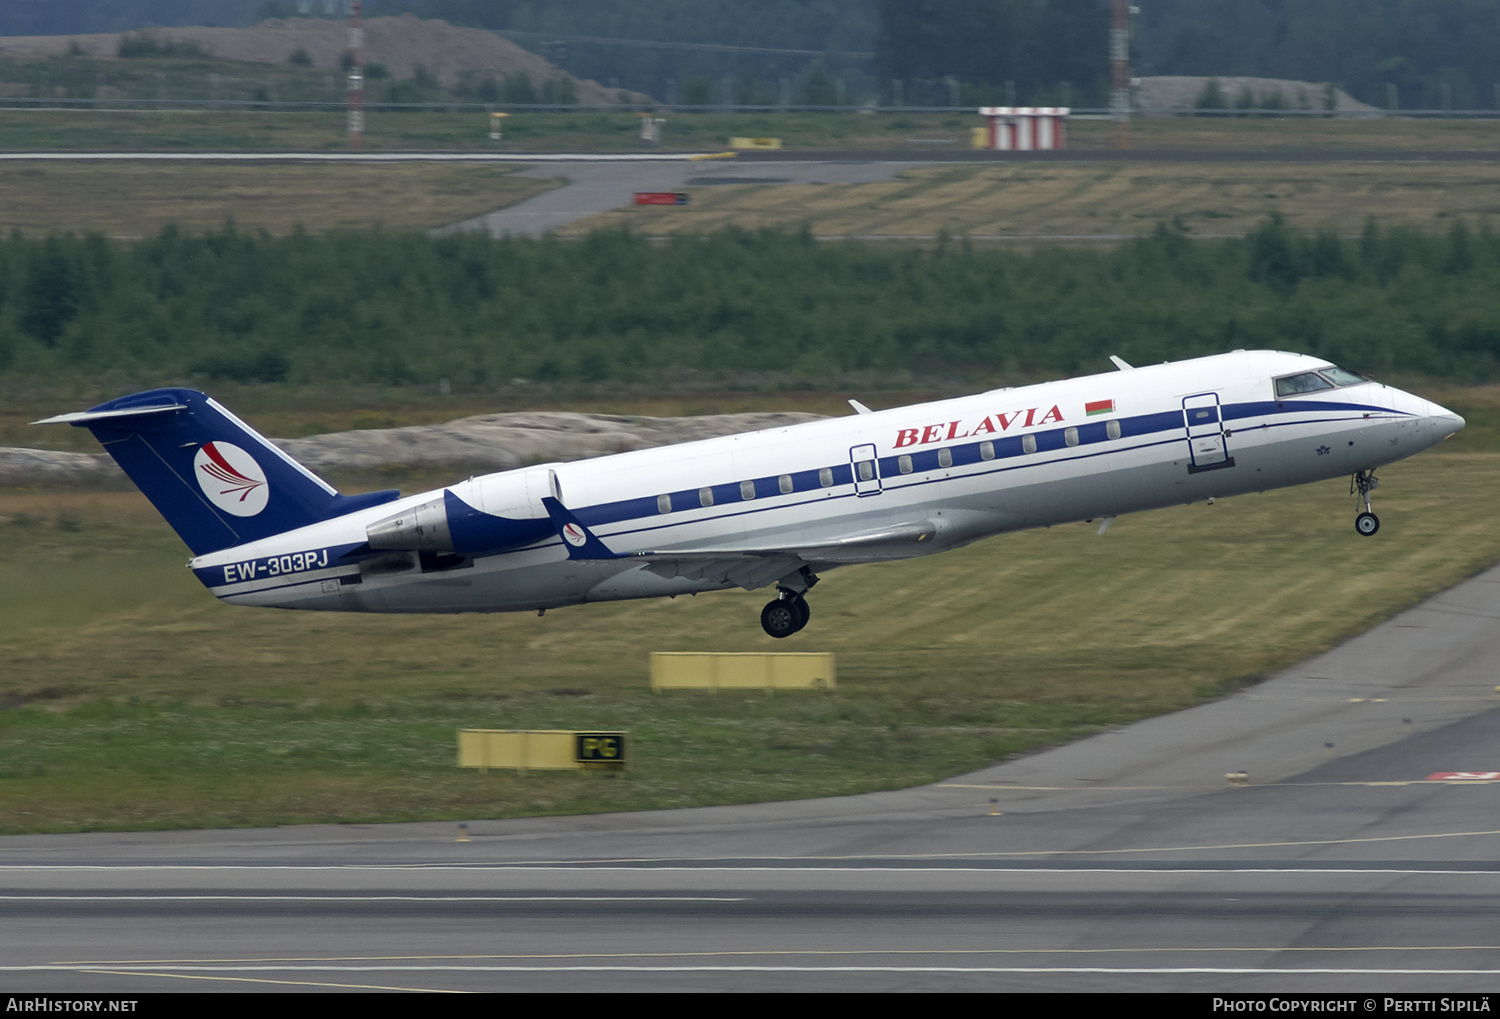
pixel 775 507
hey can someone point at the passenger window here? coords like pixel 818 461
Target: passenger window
pixel 663 504
pixel 1070 436
pixel 1112 429
pixel 825 477
pixel 945 458
pixel 904 463
pixel 1307 382
pixel 867 470
pixel 986 450
pixel 1028 443
pixel 705 496
pixel 785 484
pixel 747 490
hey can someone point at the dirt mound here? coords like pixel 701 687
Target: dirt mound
pixel 400 43
pixel 1170 93
pixel 490 442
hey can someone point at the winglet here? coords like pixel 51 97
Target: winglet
pixel 577 539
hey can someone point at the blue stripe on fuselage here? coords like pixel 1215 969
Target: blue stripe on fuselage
pixel 964 454
pixel 728 503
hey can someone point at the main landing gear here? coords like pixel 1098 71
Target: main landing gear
pixel 790 611
pixel 1363 483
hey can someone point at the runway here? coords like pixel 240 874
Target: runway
pixel 1358 857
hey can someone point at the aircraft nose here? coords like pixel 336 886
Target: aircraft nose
pixel 1445 423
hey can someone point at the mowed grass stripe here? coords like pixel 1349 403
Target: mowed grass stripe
pixel 133 700
pixel 1062 200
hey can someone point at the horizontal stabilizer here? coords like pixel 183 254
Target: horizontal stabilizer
pixel 83 417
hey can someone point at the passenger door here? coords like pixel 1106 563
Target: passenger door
pixel 1208 449
pixel 866 467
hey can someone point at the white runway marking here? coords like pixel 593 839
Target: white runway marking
pixel 1110 970
pixel 649 867
pixel 371 157
pixel 250 897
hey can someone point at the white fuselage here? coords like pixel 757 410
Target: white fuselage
pixel 999 461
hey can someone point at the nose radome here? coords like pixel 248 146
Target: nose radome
pixel 1445 422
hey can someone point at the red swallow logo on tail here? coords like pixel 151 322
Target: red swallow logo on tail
pixel 231 479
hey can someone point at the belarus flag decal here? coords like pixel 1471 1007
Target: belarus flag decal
pixel 1099 407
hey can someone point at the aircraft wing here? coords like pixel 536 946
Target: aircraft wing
pixel 751 567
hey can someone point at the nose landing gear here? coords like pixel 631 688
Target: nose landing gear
pixel 790 611
pixel 1367 523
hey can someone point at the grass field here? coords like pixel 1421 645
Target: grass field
pixel 1089 200
pixel 131 699
pixel 985 201
pixel 136 199
pixel 619 130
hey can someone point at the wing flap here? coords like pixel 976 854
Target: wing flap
pixel 900 541
pixel 748 572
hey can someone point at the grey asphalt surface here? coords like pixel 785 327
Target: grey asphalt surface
pixel 1121 863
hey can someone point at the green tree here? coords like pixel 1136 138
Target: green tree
pixel 50 295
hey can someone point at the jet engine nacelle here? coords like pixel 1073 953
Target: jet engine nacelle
pixel 476 517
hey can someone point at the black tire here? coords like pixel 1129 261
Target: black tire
pixel 779 618
pixel 804 611
pixel 1367 524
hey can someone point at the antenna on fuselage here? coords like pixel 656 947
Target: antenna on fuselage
pixel 1120 363
pixel 860 408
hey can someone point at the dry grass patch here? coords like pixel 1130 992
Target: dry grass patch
pixel 138 199
pixel 1091 200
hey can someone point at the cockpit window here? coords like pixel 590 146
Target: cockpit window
pixel 1307 382
pixel 1342 376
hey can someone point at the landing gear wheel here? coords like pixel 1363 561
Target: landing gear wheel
pixel 804 611
pixel 780 618
pixel 1367 523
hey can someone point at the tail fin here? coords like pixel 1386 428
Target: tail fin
pixel 217 482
